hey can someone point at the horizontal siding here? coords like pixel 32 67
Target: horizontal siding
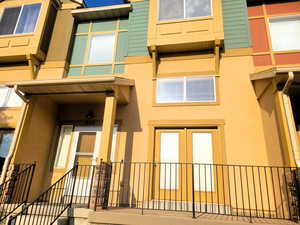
pixel 138 28
pixel 236 27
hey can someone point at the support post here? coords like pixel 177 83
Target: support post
pixel 107 128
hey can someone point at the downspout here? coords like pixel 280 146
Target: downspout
pixel 290 119
pixel 16 134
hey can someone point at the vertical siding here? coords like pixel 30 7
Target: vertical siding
pixel 236 26
pixel 137 28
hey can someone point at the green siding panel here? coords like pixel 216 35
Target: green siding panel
pixel 137 28
pixel 74 71
pixel 122 46
pixel 124 23
pixel 83 27
pixel 104 25
pixel 95 70
pixel 236 28
pixel 77 55
pixel 119 69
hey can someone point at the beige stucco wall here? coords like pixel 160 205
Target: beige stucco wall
pixel 244 134
pixel 35 141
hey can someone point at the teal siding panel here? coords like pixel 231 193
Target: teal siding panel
pixel 104 25
pixel 95 70
pixel 119 69
pixel 83 27
pixel 78 49
pixel 124 23
pixel 138 29
pixel 122 46
pixel 236 27
pixel 74 71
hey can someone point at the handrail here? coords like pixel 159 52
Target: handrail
pixel 15 190
pixel 51 204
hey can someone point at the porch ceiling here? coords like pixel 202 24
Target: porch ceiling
pixel 77 90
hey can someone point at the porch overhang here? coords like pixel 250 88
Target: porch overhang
pixel 77 90
pixel 279 74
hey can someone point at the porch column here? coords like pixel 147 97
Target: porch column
pixel 107 128
pixel 101 181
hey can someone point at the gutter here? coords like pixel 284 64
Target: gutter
pixel 16 135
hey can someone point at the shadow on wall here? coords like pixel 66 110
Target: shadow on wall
pixel 131 124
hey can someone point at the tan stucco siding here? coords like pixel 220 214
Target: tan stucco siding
pixel 35 141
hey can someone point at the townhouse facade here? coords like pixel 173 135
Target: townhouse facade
pixel 170 94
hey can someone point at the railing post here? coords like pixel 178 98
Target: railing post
pixel 30 181
pixel 98 183
pixel 75 168
pixel 193 192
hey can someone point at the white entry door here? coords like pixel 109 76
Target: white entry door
pixel 85 152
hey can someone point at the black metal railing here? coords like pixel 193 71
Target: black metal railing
pixel 51 204
pixel 236 190
pixel 15 189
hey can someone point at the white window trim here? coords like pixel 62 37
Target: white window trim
pixel 269 30
pixel 22 6
pixel 185 92
pixel 184 13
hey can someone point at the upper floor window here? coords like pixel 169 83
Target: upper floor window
pixel 99 47
pixel 181 9
pixel 186 89
pixel 285 33
pixel 19 19
pixel 8 98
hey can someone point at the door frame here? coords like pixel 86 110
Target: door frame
pixel 76 132
pixel 219 142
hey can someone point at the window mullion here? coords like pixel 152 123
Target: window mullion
pixel 18 19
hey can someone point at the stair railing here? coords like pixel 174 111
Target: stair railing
pixel 51 204
pixel 15 190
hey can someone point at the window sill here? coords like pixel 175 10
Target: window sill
pixel 184 20
pixel 16 35
pixel 186 104
pixel 10 107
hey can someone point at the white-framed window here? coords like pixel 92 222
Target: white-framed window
pixel 8 98
pixel 63 146
pixel 285 33
pixel 186 89
pixel 101 48
pixel 19 19
pixel 182 9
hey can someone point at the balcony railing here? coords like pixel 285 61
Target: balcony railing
pixel 235 190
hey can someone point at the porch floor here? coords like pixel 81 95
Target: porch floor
pixel 125 216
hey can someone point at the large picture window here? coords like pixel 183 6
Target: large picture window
pixel 186 89
pixel 285 33
pixel 181 9
pixel 19 19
